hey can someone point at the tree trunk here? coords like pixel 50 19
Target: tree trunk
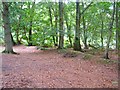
pixel 85 36
pixel 84 31
pixel 68 30
pixel 106 56
pixel 53 36
pixel 77 45
pixel 25 34
pixel 30 34
pixel 101 32
pixel 56 26
pixel 117 25
pixel 31 24
pixel 7 29
pixel 61 31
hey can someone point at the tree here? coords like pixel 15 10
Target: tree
pixel 61 31
pixel 84 31
pixel 56 22
pixel 31 22
pixel 51 22
pixel 7 29
pixel 106 56
pixel 101 31
pixel 118 29
pixel 77 45
pixel 117 25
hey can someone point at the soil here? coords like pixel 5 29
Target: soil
pixel 33 68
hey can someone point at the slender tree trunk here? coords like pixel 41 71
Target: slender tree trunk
pixel 55 10
pixel 30 34
pixel 25 34
pixel 68 30
pixel 17 32
pixel 56 27
pixel 53 36
pixel 117 26
pixel 61 31
pixel 101 32
pixel 106 56
pixel 7 29
pixel 56 23
pixel 77 45
pixel 31 24
pixel 84 33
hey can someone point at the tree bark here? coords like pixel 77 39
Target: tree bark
pixel 106 55
pixel 7 29
pixel 61 31
pixel 77 45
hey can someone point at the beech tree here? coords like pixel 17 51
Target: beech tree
pixel 7 29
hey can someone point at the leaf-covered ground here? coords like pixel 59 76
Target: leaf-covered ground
pixel 56 69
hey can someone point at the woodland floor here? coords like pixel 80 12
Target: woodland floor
pixel 34 68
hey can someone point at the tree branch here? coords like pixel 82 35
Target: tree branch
pixel 86 9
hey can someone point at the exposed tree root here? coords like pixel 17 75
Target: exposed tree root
pixel 9 52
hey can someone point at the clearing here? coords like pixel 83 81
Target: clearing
pixel 53 68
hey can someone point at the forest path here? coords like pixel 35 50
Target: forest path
pixel 49 69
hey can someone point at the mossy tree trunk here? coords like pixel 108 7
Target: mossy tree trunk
pixel 77 45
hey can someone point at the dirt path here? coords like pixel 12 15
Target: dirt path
pixel 49 69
